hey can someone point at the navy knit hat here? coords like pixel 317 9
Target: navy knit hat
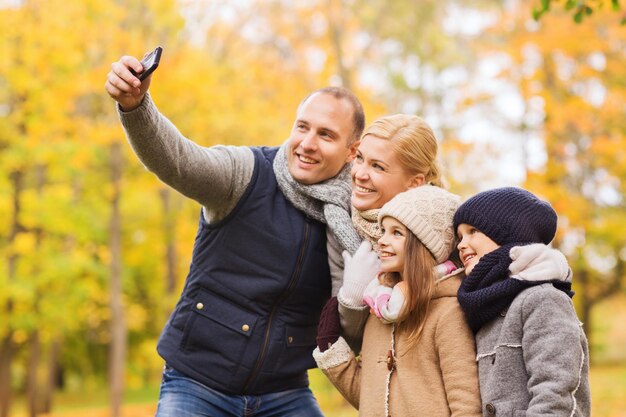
pixel 509 215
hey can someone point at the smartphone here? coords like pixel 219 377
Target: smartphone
pixel 149 63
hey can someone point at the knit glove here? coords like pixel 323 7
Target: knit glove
pixel 392 309
pixel 358 271
pixel 329 328
pixel 376 295
pixel 385 302
pixel 538 262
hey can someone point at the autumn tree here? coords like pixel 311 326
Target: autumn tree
pixel 572 140
pixel 52 139
pixel 96 249
pixel 578 9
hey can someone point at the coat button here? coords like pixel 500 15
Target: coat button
pixel 490 409
pixel 199 306
pixel 245 327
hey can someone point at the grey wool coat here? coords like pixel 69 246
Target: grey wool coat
pixel 533 359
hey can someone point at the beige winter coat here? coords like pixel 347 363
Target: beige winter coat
pixel 436 378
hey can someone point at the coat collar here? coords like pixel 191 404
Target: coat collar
pixel 448 285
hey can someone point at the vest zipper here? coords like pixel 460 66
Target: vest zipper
pixel 284 295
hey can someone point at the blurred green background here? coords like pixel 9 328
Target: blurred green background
pixel 94 249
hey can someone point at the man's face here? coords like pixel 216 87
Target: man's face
pixel 318 145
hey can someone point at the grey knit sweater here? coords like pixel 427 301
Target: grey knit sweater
pixel 215 177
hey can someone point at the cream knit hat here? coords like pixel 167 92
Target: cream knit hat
pixel 428 212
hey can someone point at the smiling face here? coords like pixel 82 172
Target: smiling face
pixel 392 245
pixel 473 245
pixel 319 145
pixel 377 174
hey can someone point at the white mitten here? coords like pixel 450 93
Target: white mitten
pixel 538 262
pixel 359 270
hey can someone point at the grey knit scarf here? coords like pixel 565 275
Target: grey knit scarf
pixel 327 202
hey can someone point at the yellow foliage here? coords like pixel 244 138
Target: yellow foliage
pixel 230 89
pixel 136 316
pixel 20 336
pixel 23 244
pixel 105 255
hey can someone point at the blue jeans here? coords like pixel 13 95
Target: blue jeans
pixel 181 396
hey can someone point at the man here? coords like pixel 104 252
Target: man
pixel 240 339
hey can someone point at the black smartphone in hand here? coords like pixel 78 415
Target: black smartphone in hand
pixel 149 63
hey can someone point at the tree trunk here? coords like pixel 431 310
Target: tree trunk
pixel 7 347
pixel 335 20
pixel 7 350
pixel 34 355
pixel 117 356
pixel 34 342
pixel 52 380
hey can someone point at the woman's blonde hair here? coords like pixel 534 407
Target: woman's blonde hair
pixel 413 142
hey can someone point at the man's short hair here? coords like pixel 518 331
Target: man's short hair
pixel 358 115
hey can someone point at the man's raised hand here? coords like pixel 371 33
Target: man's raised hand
pixel 123 86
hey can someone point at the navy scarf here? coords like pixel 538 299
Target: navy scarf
pixel 488 290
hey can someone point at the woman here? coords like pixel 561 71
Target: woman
pixel 396 153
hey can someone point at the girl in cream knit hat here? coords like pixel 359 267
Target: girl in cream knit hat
pixel 418 355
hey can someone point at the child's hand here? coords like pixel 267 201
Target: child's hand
pixel 329 327
pixel 385 302
pixel 359 270
pixel 376 294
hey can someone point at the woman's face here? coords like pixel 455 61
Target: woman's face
pixel 377 175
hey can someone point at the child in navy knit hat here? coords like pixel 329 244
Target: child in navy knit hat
pixel 532 353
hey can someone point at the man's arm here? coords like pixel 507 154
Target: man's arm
pixel 335 261
pixel 353 276
pixel 215 177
